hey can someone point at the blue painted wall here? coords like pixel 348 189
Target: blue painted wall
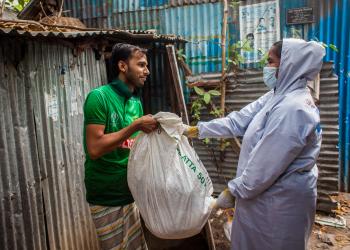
pixel 333 28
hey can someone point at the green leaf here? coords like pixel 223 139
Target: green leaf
pixel 240 58
pixel 180 54
pixel 246 46
pixel 18 7
pixel 206 98
pixel 214 92
pixel 199 91
pixel 206 141
pixel 333 47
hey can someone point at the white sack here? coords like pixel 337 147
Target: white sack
pixel 169 183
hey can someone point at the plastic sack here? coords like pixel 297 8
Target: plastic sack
pixel 169 183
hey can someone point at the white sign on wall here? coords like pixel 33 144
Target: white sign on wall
pixel 259 27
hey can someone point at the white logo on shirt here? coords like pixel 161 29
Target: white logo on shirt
pixel 114 119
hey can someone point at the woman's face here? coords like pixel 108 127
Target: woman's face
pixel 273 60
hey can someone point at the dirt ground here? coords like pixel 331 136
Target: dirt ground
pixel 323 237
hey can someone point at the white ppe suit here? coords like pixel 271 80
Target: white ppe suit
pixel 276 182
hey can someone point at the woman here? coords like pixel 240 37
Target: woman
pixel 275 186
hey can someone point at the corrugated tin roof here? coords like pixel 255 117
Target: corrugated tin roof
pixel 131 34
pixel 35 29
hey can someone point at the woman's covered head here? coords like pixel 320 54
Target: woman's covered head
pixel 273 63
pixel 292 63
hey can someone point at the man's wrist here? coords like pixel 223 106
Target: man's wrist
pixel 136 125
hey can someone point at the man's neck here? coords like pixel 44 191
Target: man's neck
pixel 130 86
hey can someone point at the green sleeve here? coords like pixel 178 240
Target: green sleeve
pixel 95 110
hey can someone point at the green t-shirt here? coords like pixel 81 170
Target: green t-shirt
pixel 114 106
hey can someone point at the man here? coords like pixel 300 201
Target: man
pixel 112 119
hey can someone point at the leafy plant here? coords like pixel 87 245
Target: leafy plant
pixel 331 46
pixel 180 55
pixel 204 99
pixel 16 5
pixel 234 52
pixel 235 3
pixel 264 56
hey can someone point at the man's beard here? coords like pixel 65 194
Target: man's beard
pixel 134 80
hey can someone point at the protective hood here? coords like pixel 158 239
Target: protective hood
pixel 301 61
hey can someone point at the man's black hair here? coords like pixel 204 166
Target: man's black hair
pixel 122 52
pixel 278 48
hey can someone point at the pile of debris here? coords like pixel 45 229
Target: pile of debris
pixel 49 24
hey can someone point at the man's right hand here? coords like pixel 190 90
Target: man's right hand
pixel 146 123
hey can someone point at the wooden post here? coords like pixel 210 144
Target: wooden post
pixel 223 57
pixel 177 83
pixel 236 146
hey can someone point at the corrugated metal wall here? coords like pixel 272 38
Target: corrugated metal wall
pixel 248 88
pixel 328 160
pixel 333 28
pixel 158 92
pixel 201 26
pixel 199 22
pixel 43 88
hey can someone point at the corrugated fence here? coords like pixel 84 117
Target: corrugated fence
pixel 43 88
pixel 44 80
pixel 249 87
pixel 333 28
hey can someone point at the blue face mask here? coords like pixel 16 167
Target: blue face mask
pixel 270 77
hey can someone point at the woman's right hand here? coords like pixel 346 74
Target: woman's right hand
pixel 191 131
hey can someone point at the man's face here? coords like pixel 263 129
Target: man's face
pixel 136 69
